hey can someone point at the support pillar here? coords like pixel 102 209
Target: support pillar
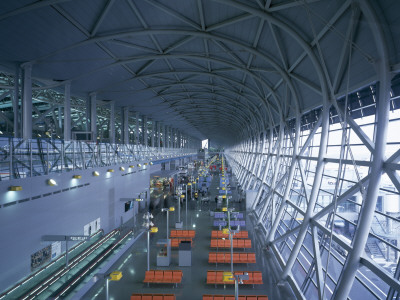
pixel 163 136
pixel 137 142
pixel 16 103
pixel 145 135
pixel 314 192
pixel 93 116
pixel 158 134
pixel 27 103
pixel 352 263
pixel 125 124
pixel 67 111
pixel 111 134
pixel 153 133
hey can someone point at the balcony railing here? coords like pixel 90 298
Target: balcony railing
pixel 27 158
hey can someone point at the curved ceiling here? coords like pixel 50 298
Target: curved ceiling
pixel 210 68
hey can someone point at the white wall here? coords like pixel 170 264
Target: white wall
pixel 23 224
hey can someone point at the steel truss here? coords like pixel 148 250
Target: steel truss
pixel 27 158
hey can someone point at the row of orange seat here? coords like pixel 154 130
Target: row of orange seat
pixel 159 276
pixel 218 234
pixel 225 257
pixel 183 234
pixel 153 297
pixel 232 297
pixel 217 277
pixel 175 242
pixel 237 243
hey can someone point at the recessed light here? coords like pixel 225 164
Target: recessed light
pixel 77 176
pixel 95 173
pixel 15 188
pixel 110 170
pixel 51 182
pixel 122 168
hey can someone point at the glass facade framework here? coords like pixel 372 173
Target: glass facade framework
pixel 345 178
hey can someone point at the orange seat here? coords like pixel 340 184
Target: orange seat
pixel 158 276
pixel 251 257
pixel 212 257
pixel 262 298
pixel 240 243
pixel 247 243
pixel 219 297
pixel 227 258
pixel 167 276
pixel 160 297
pixel 208 297
pixel 147 297
pixel 211 277
pixel 257 278
pixel 149 276
pixel 251 297
pixel 169 297
pixel 243 258
pixel 214 243
pixel 229 297
pixel 136 297
pixel 177 276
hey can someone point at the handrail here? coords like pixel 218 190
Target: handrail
pixel 21 158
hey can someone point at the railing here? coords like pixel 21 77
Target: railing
pixel 27 158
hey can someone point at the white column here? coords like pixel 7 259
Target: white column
pixel 27 103
pixel 125 124
pixel 158 134
pixel 145 135
pixel 111 134
pixel 93 115
pixel 16 103
pixel 168 136
pixel 67 111
pixel 153 132
pixel 164 136
pixel 137 129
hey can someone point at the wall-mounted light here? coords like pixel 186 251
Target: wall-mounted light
pixel 51 182
pixel 15 188
pixel 95 173
pixel 131 167
pixel 145 164
pixel 77 176
pixel 151 163
pixel 122 168
pixel 139 165
pixel 110 170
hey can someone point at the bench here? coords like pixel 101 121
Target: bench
pixel 217 277
pixel 160 276
pixel 223 215
pixel 236 243
pixel 183 234
pixel 153 297
pixel 217 234
pixel 218 223
pixel 175 242
pixel 232 297
pixel 225 258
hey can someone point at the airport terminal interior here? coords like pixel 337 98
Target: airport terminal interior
pixel 200 149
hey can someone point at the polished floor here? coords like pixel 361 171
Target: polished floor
pixel 194 278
